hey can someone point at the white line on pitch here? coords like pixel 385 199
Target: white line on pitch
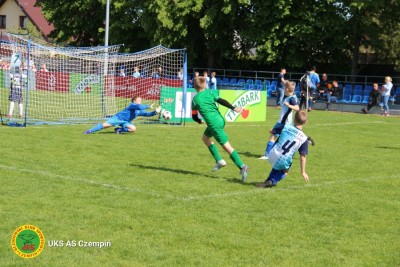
pixel 189 198
pixel 346 123
pixel 86 181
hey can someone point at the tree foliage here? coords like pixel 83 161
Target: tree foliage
pixel 291 33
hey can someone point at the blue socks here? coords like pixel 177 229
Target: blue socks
pixel 269 147
pixel 96 128
pixel 275 176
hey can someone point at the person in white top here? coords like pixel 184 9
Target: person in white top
pixel 386 88
pixel 205 75
pixel 136 72
pixel 213 81
pixel 180 74
pixel 43 68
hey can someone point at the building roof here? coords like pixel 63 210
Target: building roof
pixel 35 15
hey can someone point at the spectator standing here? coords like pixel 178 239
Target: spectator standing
pixel 196 74
pixel 305 91
pixel 374 98
pixel 24 67
pixel 44 68
pixel 280 83
pixel 314 78
pixel 213 81
pixel 122 72
pixel 192 81
pixel 386 88
pixel 160 72
pixel 180 74
pixel 136 73
pixel 157 73
pixel 205 75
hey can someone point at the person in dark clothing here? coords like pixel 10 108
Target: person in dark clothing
pixel 305 90
pixel 334 94
pixel 323 87
pixel 373 99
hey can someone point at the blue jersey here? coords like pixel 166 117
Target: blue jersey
pixel 292 100
pixel 279 82
pixel 132 111
pixel 291 139
pixel 314 78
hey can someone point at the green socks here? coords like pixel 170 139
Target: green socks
pixel 214 152
pixel 235 157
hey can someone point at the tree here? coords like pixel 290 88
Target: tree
pixel 292 33
pixel 298 34
pixel 207 28
pixel 75 22
pixel 387 45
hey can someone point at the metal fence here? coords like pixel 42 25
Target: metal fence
pixel 293 76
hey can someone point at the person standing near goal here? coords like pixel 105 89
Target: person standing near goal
pixel 124 117
pixel 17 79
pixel 205 103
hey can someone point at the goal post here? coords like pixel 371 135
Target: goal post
pixel 80 85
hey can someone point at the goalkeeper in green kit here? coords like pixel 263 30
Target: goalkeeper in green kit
pixel 205 103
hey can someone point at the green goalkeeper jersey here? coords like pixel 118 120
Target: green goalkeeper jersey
pixel 204 102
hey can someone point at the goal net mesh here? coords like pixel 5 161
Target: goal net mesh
pixel 83 84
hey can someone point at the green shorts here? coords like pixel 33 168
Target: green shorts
pixel 218 133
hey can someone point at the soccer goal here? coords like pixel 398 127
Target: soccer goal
pixel 83 84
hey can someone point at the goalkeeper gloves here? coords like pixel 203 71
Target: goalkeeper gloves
pixel 158 109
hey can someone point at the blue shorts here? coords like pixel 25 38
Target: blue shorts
pixel 277 128
pixel 115 121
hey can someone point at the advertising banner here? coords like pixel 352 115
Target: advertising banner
pixel 172 100
pixel 254 103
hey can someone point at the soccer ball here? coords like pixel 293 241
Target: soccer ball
pixel 166 115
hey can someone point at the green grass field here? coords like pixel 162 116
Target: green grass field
pixel 153 196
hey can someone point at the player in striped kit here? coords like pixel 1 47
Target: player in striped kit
pixel 17 79
pixel 291 139
pixel 289 103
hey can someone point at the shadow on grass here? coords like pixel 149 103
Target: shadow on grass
pixel 238 181
pixel 249 154
pixel 186 172
pixel 388 147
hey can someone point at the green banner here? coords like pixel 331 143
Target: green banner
pixel 171 99
pixel 85 83
pixel 253 102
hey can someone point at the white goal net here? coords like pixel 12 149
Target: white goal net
pixel 83 84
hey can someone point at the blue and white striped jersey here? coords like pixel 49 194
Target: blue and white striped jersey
pixel 292 101
pixel 291 139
